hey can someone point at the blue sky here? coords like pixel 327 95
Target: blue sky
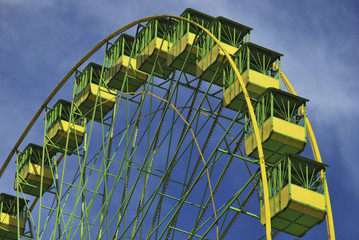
pixel 41 40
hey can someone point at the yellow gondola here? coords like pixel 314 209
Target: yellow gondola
pixel 64 133
pixel 281 125
pixel 297 196
pixel 212 58
pixel 92 94
pixel 122 66
pixel 31 166
pixel 255 64
pixel 9 218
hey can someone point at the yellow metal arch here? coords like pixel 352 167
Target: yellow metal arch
pixel 318 158
pixel 245 92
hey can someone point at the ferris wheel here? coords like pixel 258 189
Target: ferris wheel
pixel 182 132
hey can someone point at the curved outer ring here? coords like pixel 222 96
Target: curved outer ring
pixel 318 158
pixel 245 92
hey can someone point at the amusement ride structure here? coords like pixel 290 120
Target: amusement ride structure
pixel 180 133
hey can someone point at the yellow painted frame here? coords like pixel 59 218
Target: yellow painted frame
pixel 62 126
pixel 184 44
pixel 9 223
pixel 123 64
pixel 317 157
pixel 278 130
pixel 156 45
pixel 32 172
pixel 215 54
pixel 298 194
pixel 91 92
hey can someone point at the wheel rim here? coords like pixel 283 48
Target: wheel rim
pixel 164 100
